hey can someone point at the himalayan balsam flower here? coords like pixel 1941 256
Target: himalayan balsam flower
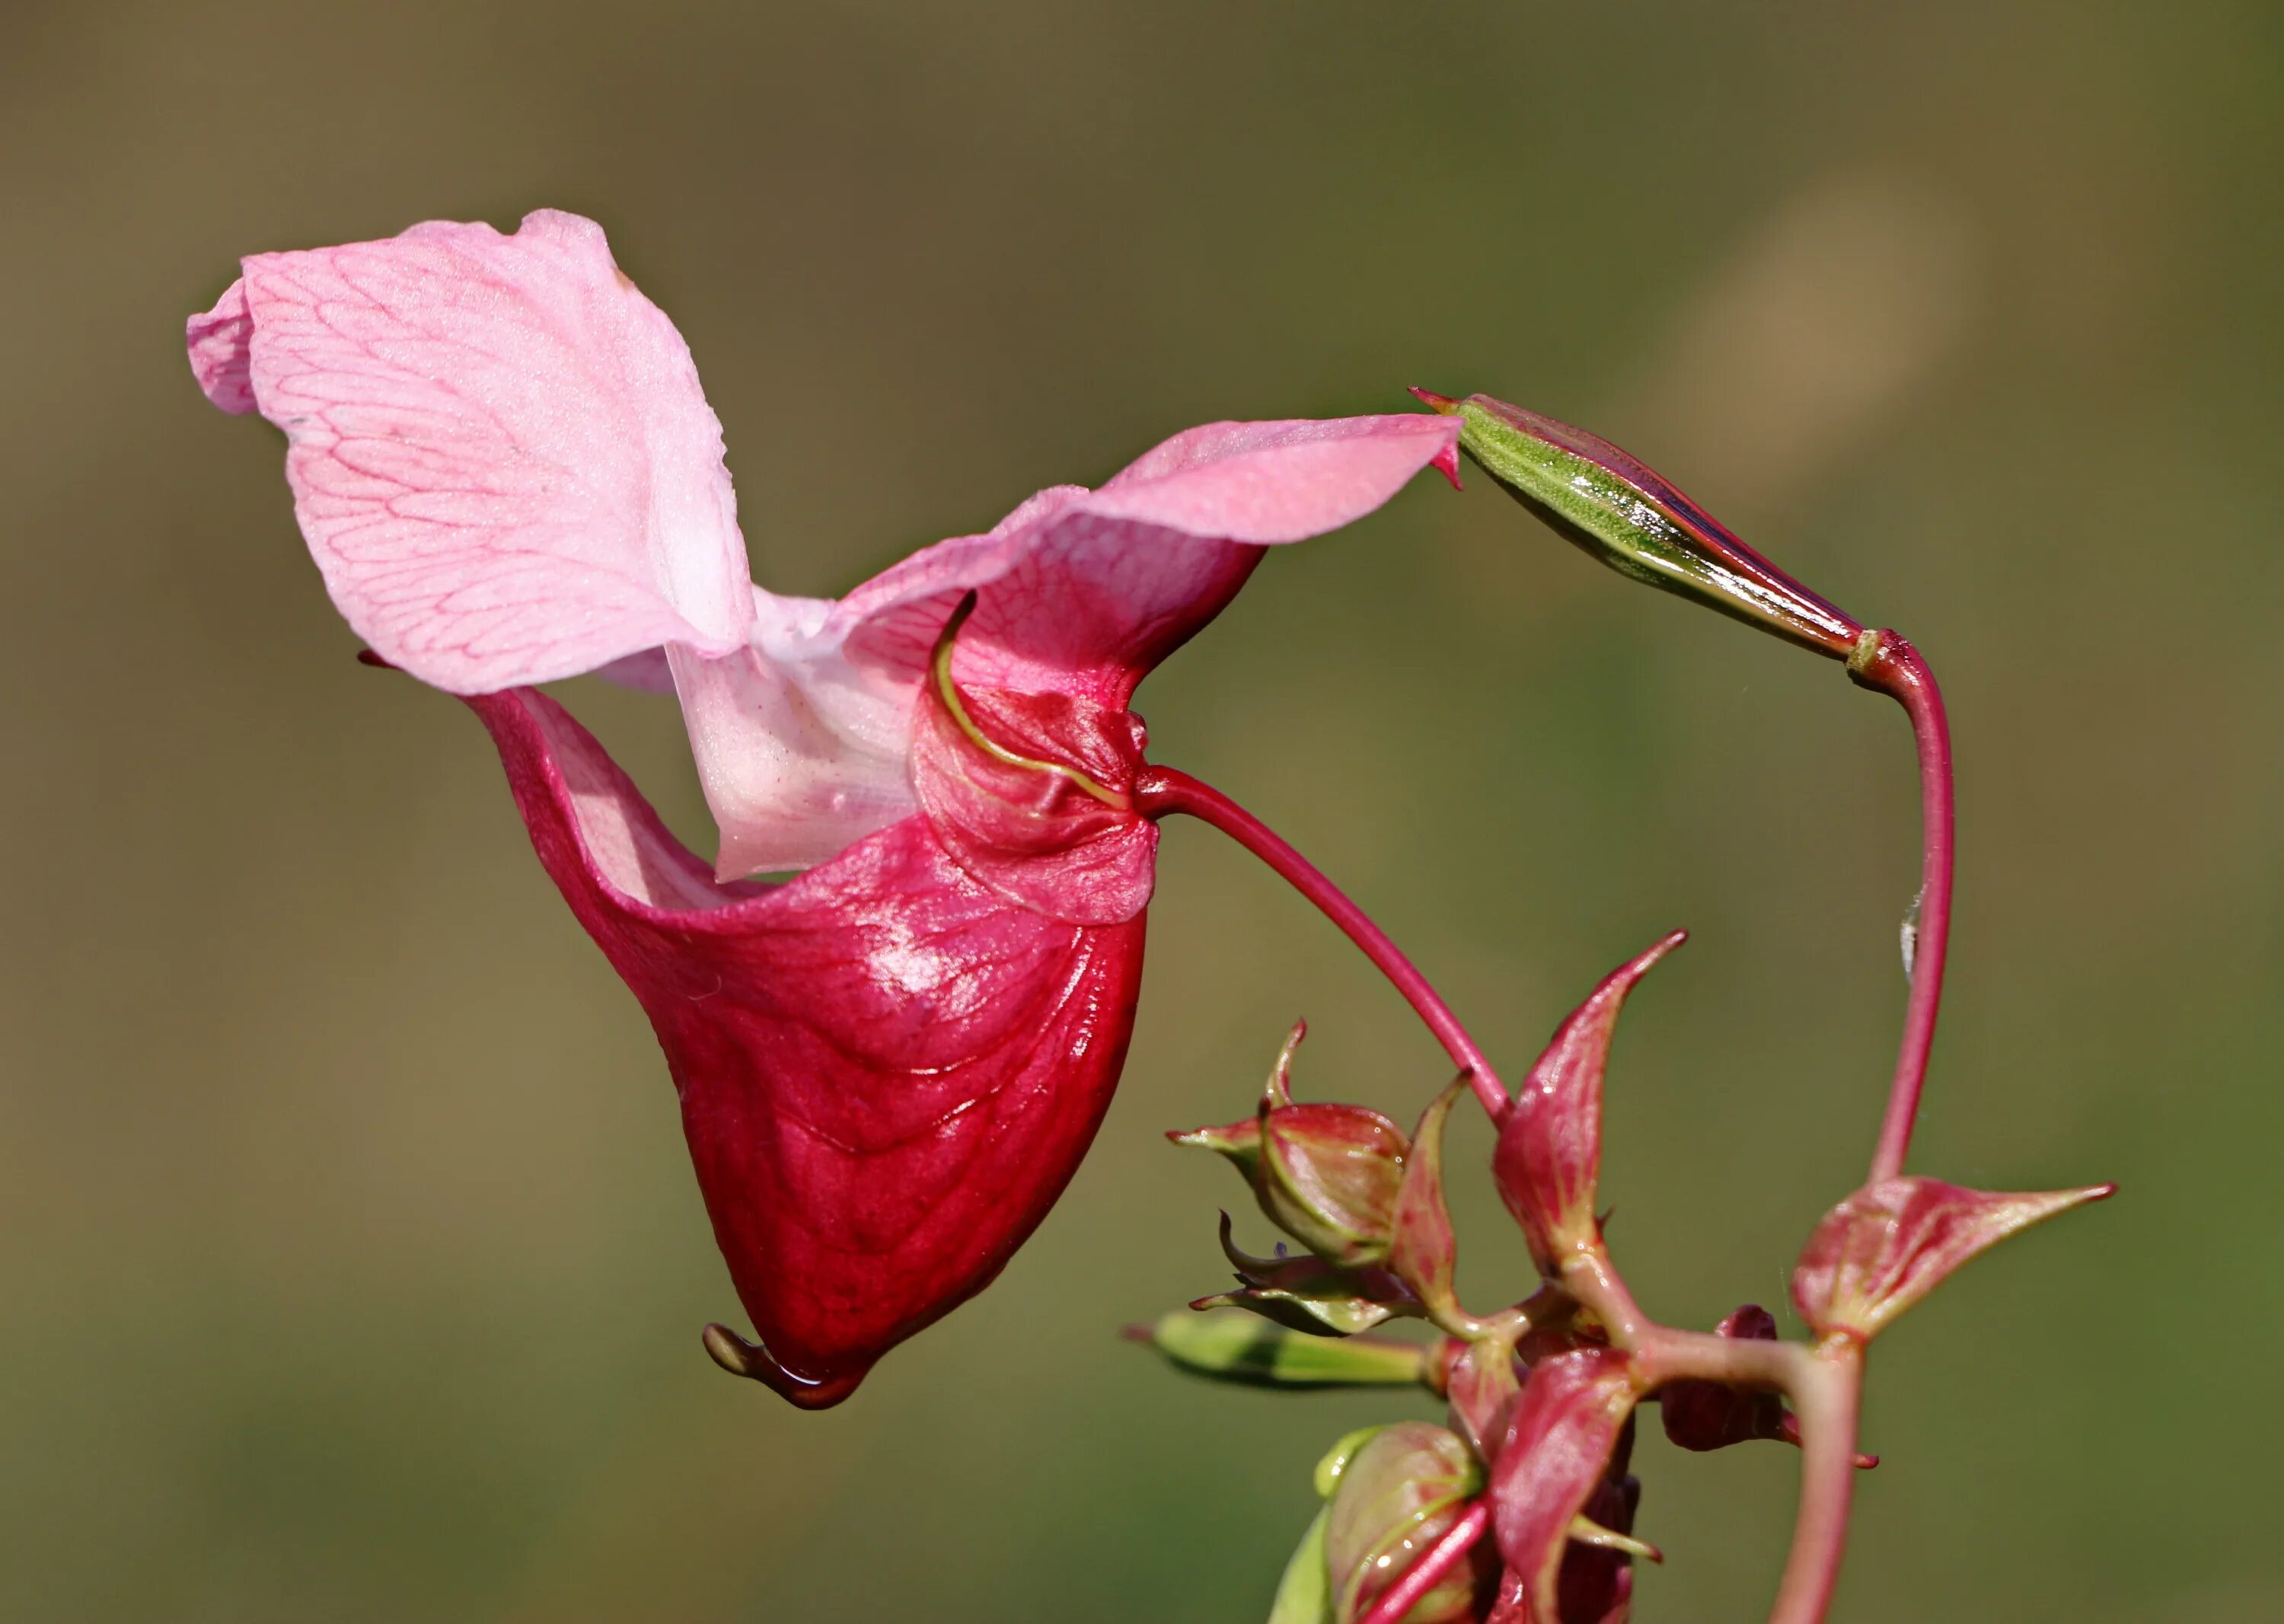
pixel 889 1065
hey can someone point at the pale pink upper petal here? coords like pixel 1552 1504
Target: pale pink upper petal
pixel 218 342
pixel 1083 592
pixel 499 450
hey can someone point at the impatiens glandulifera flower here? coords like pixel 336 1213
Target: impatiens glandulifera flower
pixel 1327 1176
pixel 888 1067
pixel 1890 1243
pixel 1396 1496
pixel 1564 1445
pixel 1634 520
pixel 1549 1147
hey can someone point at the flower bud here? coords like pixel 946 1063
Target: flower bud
pixel 1890 1243
pixel 1635 521
pixel 1395 1495
pixel 1327 1176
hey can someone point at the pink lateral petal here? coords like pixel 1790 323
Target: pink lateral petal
pixel 500 453
pixel 1890 1243
pixel 887 1074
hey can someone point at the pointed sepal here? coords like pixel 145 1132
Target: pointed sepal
pixel 1423 1251
pixel 1564 1459
pixel 1549 1147
pixel 1890 1243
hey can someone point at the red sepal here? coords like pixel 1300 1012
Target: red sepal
pixel 1890 1243
pixel 1561 1446
pixel 1549 1145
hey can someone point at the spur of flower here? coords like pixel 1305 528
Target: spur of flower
pixel 891 1055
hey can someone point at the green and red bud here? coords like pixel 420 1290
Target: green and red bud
pixel 1637 522
pixel 1890 1243
pixel 1326 1175
pixel 1394 1497
pixel 1549 1147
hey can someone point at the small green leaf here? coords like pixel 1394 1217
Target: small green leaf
pixel 1304 1595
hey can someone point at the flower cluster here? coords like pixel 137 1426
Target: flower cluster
pixel 1541 1396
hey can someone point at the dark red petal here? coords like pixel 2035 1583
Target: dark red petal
pixel 887 1073
pixel 1711 1415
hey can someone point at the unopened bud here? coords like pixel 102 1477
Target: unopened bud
pixel 1395 1495
pixel 1638 522
pixel 1327 1176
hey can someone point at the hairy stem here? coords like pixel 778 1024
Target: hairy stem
pixel 1826 1395
pixel 1887 663
pixel 1435 1562
pixel 1162 790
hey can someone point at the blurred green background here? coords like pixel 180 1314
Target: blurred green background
pixel 350 1263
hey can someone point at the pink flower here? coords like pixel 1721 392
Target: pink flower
pixel 889 1065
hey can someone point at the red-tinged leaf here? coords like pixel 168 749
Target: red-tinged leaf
pixel 1397 1495
pixel 1550 1147
pixel 1424 1251
pixel 1711 1415
pixel 1890 1243
pixel 1567 1428
pixel 887 1073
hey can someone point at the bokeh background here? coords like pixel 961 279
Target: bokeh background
pixel 350 1265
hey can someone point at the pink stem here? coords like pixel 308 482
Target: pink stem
pixel 1895 669
pixel 1162 790
pixel 1436 1561
pixel 1828 1405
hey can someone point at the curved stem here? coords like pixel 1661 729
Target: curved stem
pixel 1162 790
pixel 1892 666
pixel 1826 1400
pixel 1435 1562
